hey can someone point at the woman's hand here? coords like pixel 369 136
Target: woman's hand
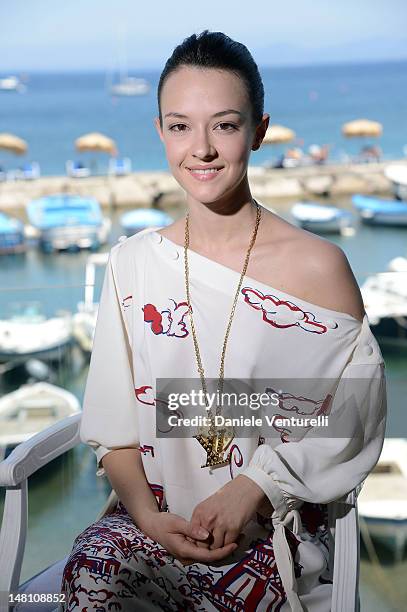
pixel 180 538
pixel 226 512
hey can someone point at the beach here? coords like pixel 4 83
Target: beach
pixel 159 188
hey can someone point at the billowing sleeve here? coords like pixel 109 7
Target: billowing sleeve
pixel 323 466
pixel 109 405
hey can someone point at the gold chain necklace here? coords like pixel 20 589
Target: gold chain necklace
pixel 216 441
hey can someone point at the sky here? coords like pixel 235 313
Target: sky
pixel 55 35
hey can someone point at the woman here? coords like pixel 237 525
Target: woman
pixel 211 521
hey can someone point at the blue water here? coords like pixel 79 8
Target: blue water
pixel 314 101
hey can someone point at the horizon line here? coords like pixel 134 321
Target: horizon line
pixel 355 62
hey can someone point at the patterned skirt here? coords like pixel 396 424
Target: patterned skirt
pixel 114 566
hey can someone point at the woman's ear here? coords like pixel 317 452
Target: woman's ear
pixel 159 128
pixel 261 130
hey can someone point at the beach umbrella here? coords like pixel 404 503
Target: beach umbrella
pixel 362 128
pixel 278 134
pixel 95 141
pixel 12 143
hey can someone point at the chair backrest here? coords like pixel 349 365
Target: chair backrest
pixel 26 459
pixel 343 518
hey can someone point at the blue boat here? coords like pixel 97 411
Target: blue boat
pixel 12 239
pixel 68 222
pixel 136 220
pixel 378 211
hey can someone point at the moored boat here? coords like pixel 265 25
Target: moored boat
pixel 12 238
pixel 385 299
pixel 130 86
pixel 12 84
pixel 397 174
pixel 382 502
pixel 68 222
pixel 378 211
pixel 28 333
pixel 32 408
pixel 320 218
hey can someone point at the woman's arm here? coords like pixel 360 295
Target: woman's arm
pixel 124 468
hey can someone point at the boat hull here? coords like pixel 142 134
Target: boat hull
pixel 31 409
pixel 65 222
pixel 323 227
pixel 400 191
pixel 377 211
pixel 72 237
pixel 7 248
pixel 389 331
pixel 321 219
pixel 51 353
pixel 383 219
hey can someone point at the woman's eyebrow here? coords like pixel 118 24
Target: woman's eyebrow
pixel 219 114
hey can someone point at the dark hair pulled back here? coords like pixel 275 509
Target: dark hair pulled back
pixel 216 50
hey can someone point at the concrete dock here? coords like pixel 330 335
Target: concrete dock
pixel 160 188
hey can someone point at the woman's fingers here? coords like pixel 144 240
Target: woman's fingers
pixel 191 530
pixel 188 551
pixel 218 538
pixel 208 556
pixel 233 536
pixel 198 543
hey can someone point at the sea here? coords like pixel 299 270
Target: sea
pixel 315 101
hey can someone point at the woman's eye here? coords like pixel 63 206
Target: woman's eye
pixel 178 127
pixel 226 126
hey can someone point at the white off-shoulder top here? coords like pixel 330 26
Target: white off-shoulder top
pixel 143 334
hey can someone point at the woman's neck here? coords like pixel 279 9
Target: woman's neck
pixel 226 228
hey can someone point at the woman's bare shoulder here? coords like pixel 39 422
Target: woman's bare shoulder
pixel 316 269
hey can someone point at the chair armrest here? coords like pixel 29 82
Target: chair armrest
pixel 33 454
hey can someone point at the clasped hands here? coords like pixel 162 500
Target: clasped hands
pixel 215 526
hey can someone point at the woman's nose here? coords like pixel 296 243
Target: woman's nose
pixel 203 146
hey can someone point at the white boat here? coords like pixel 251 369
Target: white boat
pixel 320 218
pixel 397 174
pixel 84 321
pixel 383 500
pixel 126 85
pixel 385 299
pixel 28 333
pixel 32 408
pixel 12 83
pixel 130 86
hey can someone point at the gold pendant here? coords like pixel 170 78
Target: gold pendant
pixel 216 446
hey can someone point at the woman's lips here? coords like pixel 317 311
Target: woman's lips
pixel 204 175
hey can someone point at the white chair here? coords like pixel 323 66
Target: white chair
pixel 119 166
pixel 76 169
pixel 30 456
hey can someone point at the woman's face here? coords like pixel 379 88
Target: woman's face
pixel 208 132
